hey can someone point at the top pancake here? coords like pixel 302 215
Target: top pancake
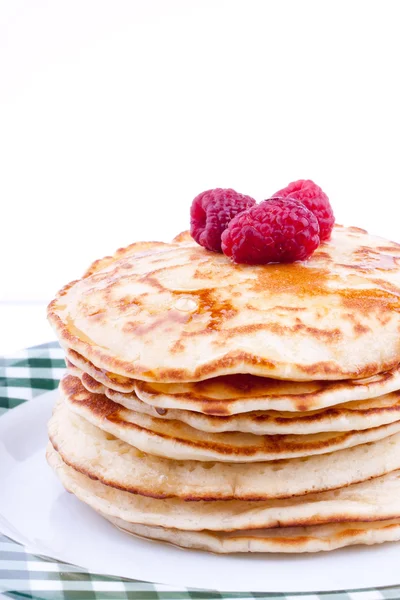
pixel 177 312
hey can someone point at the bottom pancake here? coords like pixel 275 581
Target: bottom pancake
pixel 287 540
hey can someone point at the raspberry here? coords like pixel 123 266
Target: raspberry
pixel 311 195
pixel 276 230
pixel 210 213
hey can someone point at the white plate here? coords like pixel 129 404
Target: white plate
pixel 36 511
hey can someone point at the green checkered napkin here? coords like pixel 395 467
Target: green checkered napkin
pixel 24 376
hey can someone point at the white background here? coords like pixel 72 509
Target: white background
pixel 115 114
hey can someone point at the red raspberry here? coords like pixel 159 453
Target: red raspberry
pixel 277 230
pixel 311 195
pixel 210 213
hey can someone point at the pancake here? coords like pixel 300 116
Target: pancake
pixel 290 540
pixel 87 380
pixel 102 377
pixel 236 394
pixel 375 500
pixel 179 313
pixel 346 417
pixel 350 416
pixel 136 248
pixel 176 440
pixel 101 456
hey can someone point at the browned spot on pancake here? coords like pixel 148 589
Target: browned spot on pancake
pixel 386 286
pixel 98 404
pixel 326 367
pixel 126 302
pixel 367 301
pixel 91 384
pixel 200 274
pixel 216 408
pixel 320 254
pixel 371 259
pixel 357 230
pixel 365 252
pixel 99 317
pixel 303 406
pixel 293 278
pixel 178 346
pixel 328 334
pixel 282 330
pixel 394 248
pixel 225 362
pixel 152 280
pixel 207 370
pixel 171 316
pixel 350 316
pixel 383 318
pixel 92 312
pixel 360 329
pixel 357 267
pixel 216 309
pixel 291 308
pixel 156 261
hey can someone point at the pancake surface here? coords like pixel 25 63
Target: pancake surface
pixel 176 312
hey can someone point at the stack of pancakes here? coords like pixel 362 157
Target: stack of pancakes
pixel 235 408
